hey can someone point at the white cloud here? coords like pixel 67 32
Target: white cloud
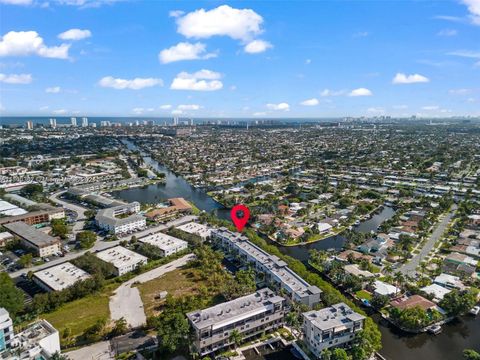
pixel 401 78
pixel 360 92
pixel 23 43
pixel 430 107
pixel 310 102
pixel 176 13
pixel 239 24
pixel 376 110
pixel 189 107
pixel 361 34
pixel 165 107
pixel 459 91
pixel 16 2
pixel 43 108
pixel 203 80
pixel 328 92
pixel 184 51
pixel 140 110
pixel 474 9
pixel 134 84
pixel 53 90
pixel 447 32
pixel 257 46
pixel 86 3
pixel 60 112
pixel 259 113
pixel 177 112
pixel 466 53
pixel 16 78
pixel 75 34
pixel 281 106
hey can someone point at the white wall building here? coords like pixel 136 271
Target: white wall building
pixel 250 315
pixel 6 330
pixel 122 259
pixel 107 219
pixel 59 277
pixel 334 326
pixel 169 245
pixel 277 274
pixel 196 229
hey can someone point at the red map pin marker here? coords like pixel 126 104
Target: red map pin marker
pixel 240 222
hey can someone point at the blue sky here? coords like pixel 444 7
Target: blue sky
pixel 240 59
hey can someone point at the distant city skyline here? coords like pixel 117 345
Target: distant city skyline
pixel 246 59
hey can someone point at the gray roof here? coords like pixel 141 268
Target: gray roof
pixel 107 216
pixel 30 234
pixel 334 316
pixel 235 310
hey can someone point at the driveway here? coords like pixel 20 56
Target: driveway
pixel 97 351
pixel 79 210
pixel 127 303
pixel 410 267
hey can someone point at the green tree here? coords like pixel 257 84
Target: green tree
pixel 11 298
pixel 172 331
pixel 120 327
pixel 236 337
pixel 458 302
pixel 26 260
pixel 340 354
pixel 31 190
pixel 470 354
pixel 86 239
pixel 59 228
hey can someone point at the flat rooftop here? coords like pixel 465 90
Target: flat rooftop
pixel 196 228
pixel 30 234
pixel 108 215
pixel 163 241
pixel 61 276
pixel 232 311
pixel 273 263
pixel 120 257
pixel 335 316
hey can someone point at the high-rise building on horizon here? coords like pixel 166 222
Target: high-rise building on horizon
pixel 84 122
pixel 73 121
pixel 53 123
pixel 29 125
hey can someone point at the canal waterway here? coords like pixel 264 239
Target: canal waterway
pixel 456 336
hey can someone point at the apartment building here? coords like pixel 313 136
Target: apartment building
pixel 277 274
pixel 122 259
pixel 36 217
pixel 59 277
pixel 121 219
pixel 39 341
pixel 250 315
pixel 168 245
pixel 42 244
pixel 6 330
pixel 334 326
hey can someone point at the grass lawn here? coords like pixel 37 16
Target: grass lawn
pixel 80 314
pixel 178 283
pixel 362 294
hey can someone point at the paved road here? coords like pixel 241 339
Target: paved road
pixel 79 210
pixel 126 301
pixel 97 351
pixel 410 267
pixel 102 245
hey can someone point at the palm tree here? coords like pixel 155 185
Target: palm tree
pixel 236 337
pixel 399 279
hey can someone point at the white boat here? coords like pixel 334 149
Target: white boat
pixel 475 310
pixel 434 329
